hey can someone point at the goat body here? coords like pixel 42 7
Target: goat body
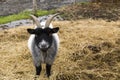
pixel 43 57
pixel 49 54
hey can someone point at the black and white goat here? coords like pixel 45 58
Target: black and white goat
pixel 43 44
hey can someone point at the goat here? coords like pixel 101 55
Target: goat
pixel 43 44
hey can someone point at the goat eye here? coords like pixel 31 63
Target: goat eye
pixel 36 35
pixel 49 34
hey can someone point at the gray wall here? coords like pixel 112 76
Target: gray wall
pixel 14 6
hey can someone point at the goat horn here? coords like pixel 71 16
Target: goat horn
pixel 50 19
pixel 35 20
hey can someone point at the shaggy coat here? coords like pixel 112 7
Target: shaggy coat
pixel 42 57
pixel 43 44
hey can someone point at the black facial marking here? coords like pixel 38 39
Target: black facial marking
pixel 39 31
pixel 48 70
pixel 43 34
pixel 38 70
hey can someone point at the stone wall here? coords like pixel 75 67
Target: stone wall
pixel 8 7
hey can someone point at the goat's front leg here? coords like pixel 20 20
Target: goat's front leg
pixel 38 69
pixel 48 70
pixel 37 65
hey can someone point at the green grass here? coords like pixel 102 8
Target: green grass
pixel 23 15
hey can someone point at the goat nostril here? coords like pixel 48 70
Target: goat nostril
pixel 43 46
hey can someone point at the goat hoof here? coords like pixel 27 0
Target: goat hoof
pixel 36 77
pixel 46 75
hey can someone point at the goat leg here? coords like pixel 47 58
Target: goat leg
pixel 48 70
pixel 38 69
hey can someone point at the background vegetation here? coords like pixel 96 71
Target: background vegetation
pixel 23 15
pixel 106 1
pixel 108 12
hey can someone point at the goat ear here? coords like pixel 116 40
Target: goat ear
pixel 31 31
pixel 55 30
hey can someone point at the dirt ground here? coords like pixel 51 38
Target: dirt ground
pixel 105 11
pixel 89 50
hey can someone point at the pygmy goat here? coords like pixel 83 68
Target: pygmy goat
pixel 43 44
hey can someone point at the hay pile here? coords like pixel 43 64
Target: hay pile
pixel 89 50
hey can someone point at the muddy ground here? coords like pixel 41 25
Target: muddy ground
pixel 89 50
